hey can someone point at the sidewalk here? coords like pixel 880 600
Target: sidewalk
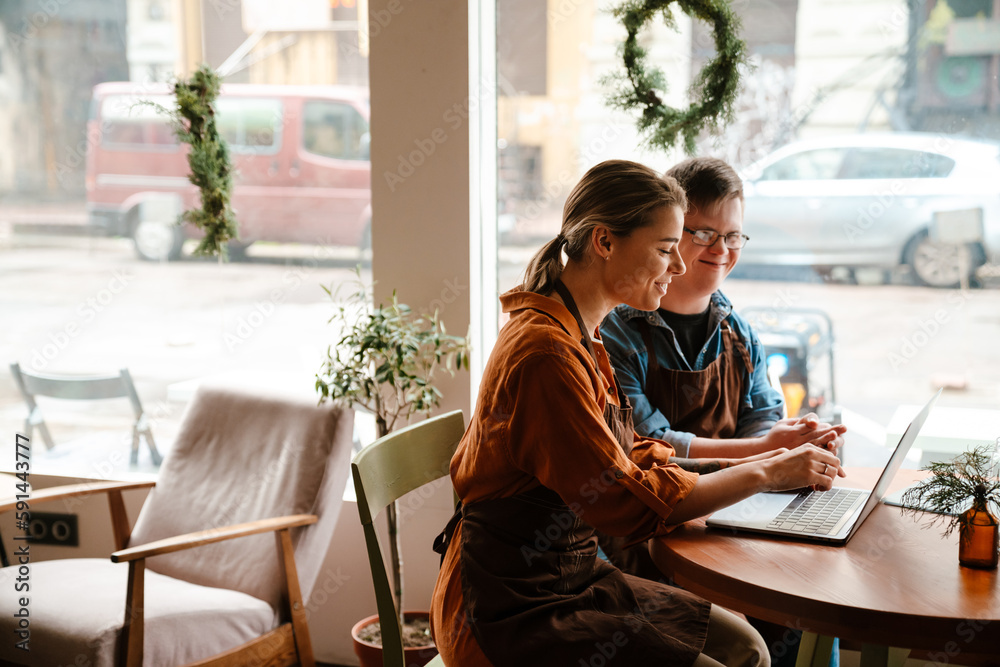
pixel 69 217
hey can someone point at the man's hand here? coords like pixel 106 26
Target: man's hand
pixel 797 431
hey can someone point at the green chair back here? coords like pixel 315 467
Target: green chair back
pixel 384 471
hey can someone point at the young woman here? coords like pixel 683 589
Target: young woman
pixel 550 456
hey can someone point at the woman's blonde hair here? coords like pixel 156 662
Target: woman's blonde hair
pixel 617 194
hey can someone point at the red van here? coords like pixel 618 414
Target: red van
pixel 301 158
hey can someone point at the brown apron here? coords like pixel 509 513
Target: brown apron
pixel 537 594
pixel 705 402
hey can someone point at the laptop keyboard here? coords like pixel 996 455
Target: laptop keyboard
pixel 817 512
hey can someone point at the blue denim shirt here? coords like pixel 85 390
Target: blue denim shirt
pixel 759 409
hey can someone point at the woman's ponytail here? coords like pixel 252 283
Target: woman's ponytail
pixel 544 268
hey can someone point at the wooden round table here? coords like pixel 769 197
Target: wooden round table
pixel 896 583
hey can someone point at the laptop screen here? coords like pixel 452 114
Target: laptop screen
pixel 895 461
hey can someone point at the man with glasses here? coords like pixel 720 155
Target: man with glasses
pixel 694 370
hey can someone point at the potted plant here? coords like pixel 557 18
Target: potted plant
pixel 384 361
pixel 965 494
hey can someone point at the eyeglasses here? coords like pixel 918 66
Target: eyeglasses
pixel 708 237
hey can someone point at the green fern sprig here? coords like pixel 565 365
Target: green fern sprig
pixel 211 166
pixel 952 484
pixel 211 169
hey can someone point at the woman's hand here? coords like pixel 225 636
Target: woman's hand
pixel 760 457
pixel 806 465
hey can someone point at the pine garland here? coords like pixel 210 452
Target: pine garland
pixel 718 81
pixel 211 167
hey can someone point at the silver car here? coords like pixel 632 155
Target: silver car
pixel 930 201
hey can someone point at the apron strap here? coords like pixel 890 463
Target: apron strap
pixel 442 541
pixel 732 338
pixel 571 306
pixel 623 402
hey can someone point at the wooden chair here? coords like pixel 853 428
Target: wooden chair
pixel 77 388
pixel 268 471
pixel 384 471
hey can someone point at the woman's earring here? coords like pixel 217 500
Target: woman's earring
pixel 607 257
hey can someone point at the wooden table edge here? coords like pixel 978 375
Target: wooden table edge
pixel 916 631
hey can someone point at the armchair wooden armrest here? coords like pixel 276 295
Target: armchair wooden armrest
pixel 72 491
pixel 190 540
pixel 119 519
pixel 132 646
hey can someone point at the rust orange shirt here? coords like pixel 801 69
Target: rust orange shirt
pixel 539 419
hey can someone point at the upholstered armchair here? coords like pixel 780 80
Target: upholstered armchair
pixel 222 558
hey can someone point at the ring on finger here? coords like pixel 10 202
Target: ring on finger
pixel 826 467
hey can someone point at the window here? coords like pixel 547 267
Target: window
pixel 334 130
pixel 829 235
pixel 818 164
pixel 250 125
pixel 135 122
pixel 895 163
pixel 93 180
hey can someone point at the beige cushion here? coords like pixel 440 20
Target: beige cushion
pixel 77 609
pixel 242 457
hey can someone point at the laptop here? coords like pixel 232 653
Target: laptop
pixel 824 516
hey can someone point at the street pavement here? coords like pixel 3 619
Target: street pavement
pixel 76 304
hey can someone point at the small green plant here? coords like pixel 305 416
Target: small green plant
pixel 970 478
pixel 385 361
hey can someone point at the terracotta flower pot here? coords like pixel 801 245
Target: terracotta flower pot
pixel 370 654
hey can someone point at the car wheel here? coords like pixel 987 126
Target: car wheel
pixel 939 264
pixel 366 236
pixel 237 250
pixel 157 241
pixel 365 248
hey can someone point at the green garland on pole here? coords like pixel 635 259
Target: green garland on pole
pixel 211 167
pixel 718 81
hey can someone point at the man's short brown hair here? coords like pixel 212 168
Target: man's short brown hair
pixel 707 181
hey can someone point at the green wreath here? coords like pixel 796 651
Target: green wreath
pixel 718 81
